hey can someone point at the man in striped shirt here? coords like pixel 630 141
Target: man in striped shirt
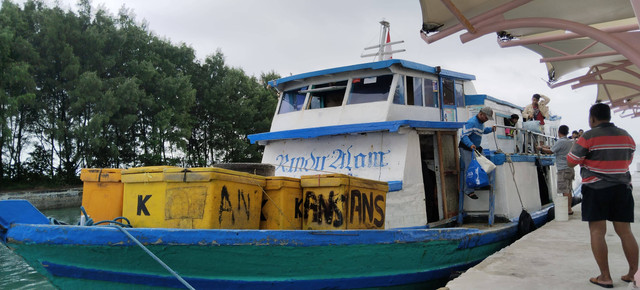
pixel 604 154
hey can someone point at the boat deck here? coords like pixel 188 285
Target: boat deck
pixel 556 256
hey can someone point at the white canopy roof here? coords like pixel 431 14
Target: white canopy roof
pixel 568 35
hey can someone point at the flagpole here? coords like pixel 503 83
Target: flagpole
pixel 384 47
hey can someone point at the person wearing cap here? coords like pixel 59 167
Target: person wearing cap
pixel 471 139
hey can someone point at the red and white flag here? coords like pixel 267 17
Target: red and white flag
pixel 387 48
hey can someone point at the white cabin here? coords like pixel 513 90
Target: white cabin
pixel 395 121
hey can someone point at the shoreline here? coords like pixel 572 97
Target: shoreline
pixel 48 199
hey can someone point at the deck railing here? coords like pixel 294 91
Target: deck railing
pixel 529 141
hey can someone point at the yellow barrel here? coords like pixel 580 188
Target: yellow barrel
pixel 212 198
pixel 282 204
pixel 144 196
pixel 325 201
pixel 338 201
pixel 367 203
pixel 102 193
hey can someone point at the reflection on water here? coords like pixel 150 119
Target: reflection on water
pixel 15 273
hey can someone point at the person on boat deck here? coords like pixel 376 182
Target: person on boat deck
pixel 565 173
pixel 511 122
pixel 471 139
pixel 604 154
pixel 537 110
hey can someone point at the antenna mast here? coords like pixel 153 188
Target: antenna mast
pixel 384 47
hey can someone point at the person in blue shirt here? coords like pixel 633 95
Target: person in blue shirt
pixel 471 139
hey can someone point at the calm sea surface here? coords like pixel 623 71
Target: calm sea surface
pixel 15 273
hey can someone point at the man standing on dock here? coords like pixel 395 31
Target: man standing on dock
pixel 471 139
pixel 604 154
pixel 565 173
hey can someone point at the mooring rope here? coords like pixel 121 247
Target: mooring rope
pixel 185 283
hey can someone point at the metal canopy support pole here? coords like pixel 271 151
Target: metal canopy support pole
pixel 606 82
pixel 623 46
pixel 636 9
pixel 564 36
pixel 463 20
pixel 480 18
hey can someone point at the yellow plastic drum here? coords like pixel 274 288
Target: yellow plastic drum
pixel 338 202
pixel 282 204
pixel 102 193
pixel 212 198
pixel 145 196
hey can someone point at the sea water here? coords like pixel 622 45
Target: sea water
pixel 15 273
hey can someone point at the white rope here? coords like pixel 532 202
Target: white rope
pixel 185 283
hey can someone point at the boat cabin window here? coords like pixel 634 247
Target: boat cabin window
pixel 422 92
pixel 448 93
pixel 371 89
pixel 292 101
pixel 398 96
pixel 452 93
pixel 327 95
pixel 414 91
pixel 459 94
pixel 431 91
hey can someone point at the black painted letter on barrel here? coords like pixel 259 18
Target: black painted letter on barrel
pixel 379 222
pixel 224 196
pixel 142 208
pixel 298 209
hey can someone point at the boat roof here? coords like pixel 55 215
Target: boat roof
pixel 480 98
pixel 373 66
pixel 390 126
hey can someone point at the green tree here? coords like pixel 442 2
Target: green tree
pixel 88 89
pixel 17 88
pixel 231 106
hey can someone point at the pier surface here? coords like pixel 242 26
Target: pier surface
pixel 556 256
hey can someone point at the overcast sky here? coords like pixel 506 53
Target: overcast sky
pixel 296 36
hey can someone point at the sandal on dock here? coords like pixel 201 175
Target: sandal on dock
pixel 594 280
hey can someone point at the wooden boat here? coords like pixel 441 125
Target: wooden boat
pixel 393 121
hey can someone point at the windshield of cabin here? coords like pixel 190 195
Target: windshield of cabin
pixel 370 89
pixel 292 101
pixel 327 95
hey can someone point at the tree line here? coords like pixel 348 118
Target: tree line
pixel 87 89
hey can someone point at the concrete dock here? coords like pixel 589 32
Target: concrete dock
pixel 556 256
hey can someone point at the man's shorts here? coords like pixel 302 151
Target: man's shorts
pixel 565 179
pixel 613 203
